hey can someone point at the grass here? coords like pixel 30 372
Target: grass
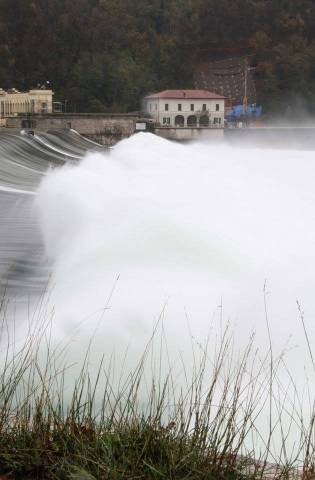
pixel 150 425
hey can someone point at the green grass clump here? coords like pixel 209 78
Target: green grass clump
pixel 205 428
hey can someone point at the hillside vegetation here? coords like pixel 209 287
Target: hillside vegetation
pixel 104 54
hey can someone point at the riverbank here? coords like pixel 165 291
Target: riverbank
pixel 54 425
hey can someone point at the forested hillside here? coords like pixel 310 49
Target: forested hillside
pixel 102 55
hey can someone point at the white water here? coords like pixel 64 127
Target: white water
pixel 157 229
pixel 184 227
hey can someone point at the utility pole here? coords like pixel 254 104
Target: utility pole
pixel 245 102
pixel 245 99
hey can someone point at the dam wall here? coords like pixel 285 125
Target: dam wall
pixel 104 128
pixel 109 128
pixel 190 133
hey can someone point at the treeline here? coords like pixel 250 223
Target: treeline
pixel 103 55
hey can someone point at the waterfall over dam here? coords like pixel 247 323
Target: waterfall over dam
pixel 189 235
pixel 182 225
pixel 24 161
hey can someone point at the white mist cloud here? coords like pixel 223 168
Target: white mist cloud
pixel 184 227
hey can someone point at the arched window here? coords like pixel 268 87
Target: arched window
pixel 192 121
pixel 179 121
pixel 204 121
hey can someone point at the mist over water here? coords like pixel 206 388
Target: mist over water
pixel 191 237
pixel 191 233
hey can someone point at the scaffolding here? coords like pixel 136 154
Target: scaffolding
pixel 232 78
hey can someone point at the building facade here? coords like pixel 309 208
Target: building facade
pixel 13 102
pixel 186 109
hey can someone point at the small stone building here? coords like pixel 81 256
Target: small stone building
pixel 13 102
pixel 186 108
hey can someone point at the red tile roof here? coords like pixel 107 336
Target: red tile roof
pixel 184 94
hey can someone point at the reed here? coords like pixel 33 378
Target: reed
pixel 148 425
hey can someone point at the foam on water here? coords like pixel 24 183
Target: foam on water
pixel 156 226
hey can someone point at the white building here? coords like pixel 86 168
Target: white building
pixel 186 108
pixel 13 102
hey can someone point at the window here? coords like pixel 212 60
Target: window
pixel 155 107
pixel 179 107
pixel 26 124
pixel 204 107
pixel 166 107
pixel 179 121
pixel 204 121
pixel 150 107
pixel 217 107
pixel 192 107
pixel 192 121
pixel 166 120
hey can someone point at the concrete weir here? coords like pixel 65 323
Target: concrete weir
pixel 108 128
pixel 190 133
pixel 104 128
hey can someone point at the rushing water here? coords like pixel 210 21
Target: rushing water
pixel 24 162
pixel 157 226
pixel 183 226
pixel 187 233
